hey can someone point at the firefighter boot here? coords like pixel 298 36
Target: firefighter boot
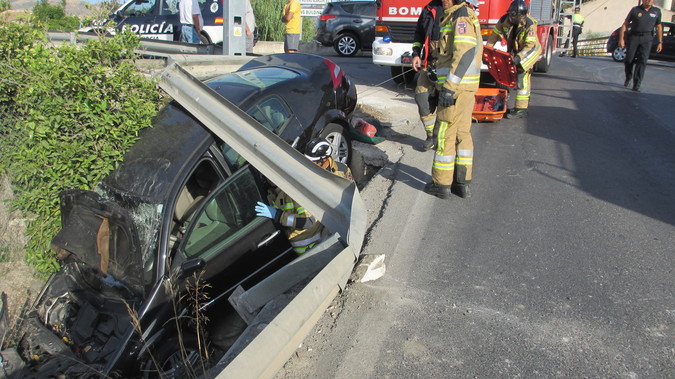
pixel 517 113
pixel 429 143
pixel 461 190
pixel 438 190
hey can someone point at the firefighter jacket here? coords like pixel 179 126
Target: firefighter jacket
pixel 427 32
pixel 460 50
pixel 302 229
pixel 521 39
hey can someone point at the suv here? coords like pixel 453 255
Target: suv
pixel 348 26
pixel 668 49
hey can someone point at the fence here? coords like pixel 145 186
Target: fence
pixel 590 47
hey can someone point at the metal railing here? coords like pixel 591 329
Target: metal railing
pixel 590 47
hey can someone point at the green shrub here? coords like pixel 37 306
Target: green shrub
pixel 70 113
pixel 268 19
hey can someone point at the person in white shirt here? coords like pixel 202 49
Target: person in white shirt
pixel 191 21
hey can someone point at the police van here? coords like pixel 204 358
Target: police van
pixel 160 19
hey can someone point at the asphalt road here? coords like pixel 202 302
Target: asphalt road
pixel 560 265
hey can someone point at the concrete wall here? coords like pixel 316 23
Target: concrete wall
pixel 604 16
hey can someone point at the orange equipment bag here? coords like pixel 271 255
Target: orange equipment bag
pixel 490 104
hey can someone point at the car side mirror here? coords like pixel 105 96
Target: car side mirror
pixel 190 267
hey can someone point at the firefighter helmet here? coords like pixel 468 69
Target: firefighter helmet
pixel 517 11
pixel 318 148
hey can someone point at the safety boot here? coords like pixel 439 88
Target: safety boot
pixel 517 113
pixel 429 143
pixel 461 190
pixel 442 192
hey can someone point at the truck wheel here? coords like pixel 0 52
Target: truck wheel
pixel 544 64
pixel 346 45
pixel 397 74
pixel 619 54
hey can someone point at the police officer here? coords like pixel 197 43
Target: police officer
pixel 577 27
pixel 642 20
pixel 425 47
pixel 520 32
pixel 459 60
pixel 302 229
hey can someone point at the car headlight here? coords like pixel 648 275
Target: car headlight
pixel 383 51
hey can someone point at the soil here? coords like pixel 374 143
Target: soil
pixel 20 282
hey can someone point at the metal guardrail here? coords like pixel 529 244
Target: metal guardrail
pixel 147 46
pixel 267 343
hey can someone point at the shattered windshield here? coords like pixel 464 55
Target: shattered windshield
pixel 147 218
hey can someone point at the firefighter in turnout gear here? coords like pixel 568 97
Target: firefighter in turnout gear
pixel 302 229
pixel 459 60
pixel 520 32
pixel 424 53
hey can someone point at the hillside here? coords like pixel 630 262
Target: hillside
pixel 73 7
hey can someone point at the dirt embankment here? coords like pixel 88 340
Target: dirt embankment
pixel 19 281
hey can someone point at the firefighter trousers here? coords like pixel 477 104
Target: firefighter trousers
pixel 426 99
pixel 523 90
pixel 453 160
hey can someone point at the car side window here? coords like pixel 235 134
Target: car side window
pixel 140 8
pixel 369 10
pixel 272 113
pixel 169 7
pixel 229 210
pixel 349 8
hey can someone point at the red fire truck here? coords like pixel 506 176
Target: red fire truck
pixel 396 20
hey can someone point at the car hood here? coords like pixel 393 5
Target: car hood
pixel 102 235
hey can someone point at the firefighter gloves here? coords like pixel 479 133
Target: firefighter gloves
pixel 446 98
pixel 264 210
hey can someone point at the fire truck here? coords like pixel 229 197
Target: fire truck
pixel 396 21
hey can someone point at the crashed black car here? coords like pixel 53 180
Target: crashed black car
pixel 180 206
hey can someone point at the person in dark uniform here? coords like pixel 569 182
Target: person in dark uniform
pixel 425 55
pixel 642 21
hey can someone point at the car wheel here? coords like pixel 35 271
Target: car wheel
pixel 204 40
pixel 346 45
pixel 619 54
pixel 341 141
pixel 170 360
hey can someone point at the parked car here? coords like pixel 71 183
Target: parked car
pixel 348 26
pixel 155 19
pixel 180 203
pixel 667 52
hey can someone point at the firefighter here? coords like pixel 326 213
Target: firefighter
pixel 424 53
pixel 520 32
pixel 302 229
pixel 458 69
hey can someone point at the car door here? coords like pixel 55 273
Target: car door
pixel 234 245
pixel 668 49
pixel 150 18
pixel 368 12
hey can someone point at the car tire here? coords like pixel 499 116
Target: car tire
pixel 204 39
pixel 619 54
pixel 340 139
pixel 347 45
pixel 169 360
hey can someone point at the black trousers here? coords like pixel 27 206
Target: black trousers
pixel 575 39
pixel 637 54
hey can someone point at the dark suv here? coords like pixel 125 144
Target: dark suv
pixel 348 26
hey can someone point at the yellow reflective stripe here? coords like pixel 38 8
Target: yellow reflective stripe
pixel 464 161
pixel 442 128
pixel 470 79
pixel 443 166
pixel 417 44
pixel 446 29
pixel 466 40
